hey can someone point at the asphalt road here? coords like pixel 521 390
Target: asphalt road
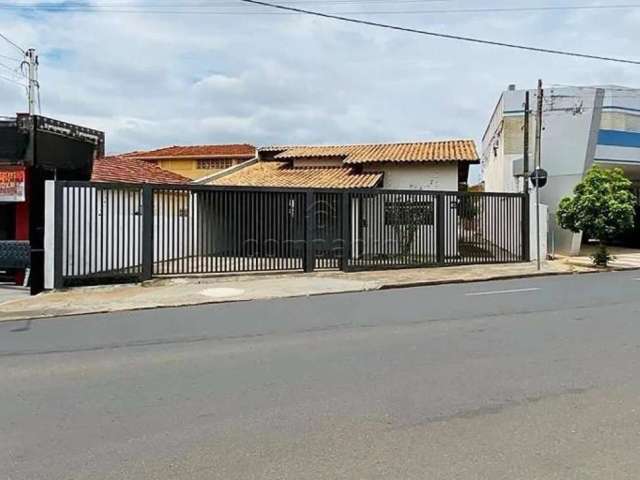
pixel 522 379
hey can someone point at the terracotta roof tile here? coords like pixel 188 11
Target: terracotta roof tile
pixel 234 150
pixel 131 170
pixel 279 174
pixel 442 151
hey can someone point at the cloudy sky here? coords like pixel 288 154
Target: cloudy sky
pixel 152 79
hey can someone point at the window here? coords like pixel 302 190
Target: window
pixel 408 213
pixel 215 163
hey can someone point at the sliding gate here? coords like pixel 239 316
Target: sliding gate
pixel 112 233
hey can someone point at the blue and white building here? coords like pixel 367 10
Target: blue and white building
pixel 582 127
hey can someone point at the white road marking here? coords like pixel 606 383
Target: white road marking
pixel 501 292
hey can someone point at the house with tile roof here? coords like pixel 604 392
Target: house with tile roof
pixel 440 165
pixel 196 161
pixel 123 169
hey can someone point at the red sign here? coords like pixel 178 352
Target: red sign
pixel 12 184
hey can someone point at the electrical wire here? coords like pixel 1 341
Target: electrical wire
pixel 200 9
pixel 9 68
pixel 8 79
pixel 7 57
pixel 444 35
pixel 12 43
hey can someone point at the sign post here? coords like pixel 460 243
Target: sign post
pixel 539 178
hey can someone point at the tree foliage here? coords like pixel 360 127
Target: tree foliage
pixel 602 205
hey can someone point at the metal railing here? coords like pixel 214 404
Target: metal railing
pixel 121 232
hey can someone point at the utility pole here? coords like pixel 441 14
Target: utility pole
pixel 31 60
pixel 537 164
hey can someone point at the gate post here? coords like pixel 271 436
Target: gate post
pixel 440 228
pixel 309 259
pixel 345 222
pixel 147 232
pixel 58 234
pixel 526 223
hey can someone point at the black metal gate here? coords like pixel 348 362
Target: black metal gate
pixel 120 232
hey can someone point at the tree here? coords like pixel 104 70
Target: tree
pixel 602 206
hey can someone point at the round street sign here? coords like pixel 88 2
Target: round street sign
pixel 539 177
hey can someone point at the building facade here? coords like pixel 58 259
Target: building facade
pixel 437 165
pixel 34 149
pixel 581 127
pixel 196 161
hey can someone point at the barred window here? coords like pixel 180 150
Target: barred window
pixel 408 213
pixel 214 163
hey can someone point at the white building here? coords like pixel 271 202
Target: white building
pixel 582 127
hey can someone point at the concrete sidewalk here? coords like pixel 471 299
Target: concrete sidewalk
pixel 10 292
pixel 172 292
pixel 623 258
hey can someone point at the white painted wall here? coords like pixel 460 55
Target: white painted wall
pixel 568 123
pixel 417 176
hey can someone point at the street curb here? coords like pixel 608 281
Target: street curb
pixel 381 287
pixel 427 283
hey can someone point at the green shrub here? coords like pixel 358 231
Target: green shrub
pixel 602 206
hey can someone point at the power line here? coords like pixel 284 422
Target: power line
pixel 8 79
pixel 444 35
pixel 11 69
pixel 7 57
pixel 199 9
pixel 12 43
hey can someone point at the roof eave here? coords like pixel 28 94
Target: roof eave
pixel 190 157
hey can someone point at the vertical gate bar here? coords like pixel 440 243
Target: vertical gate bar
pixel 209 218
pixel 205 224
pixel 184 230
pixel 236 230
pixel 253 246
pixel 171 219
pixel 345 235
pixel 163 236
pixel 440 239
pixel 58 235
pixel 227 230
pixel 269 235
pixel 92 219
pixel 82 265
pixel 243 203
pixel 120 229
pixel 283 206
pixel 309 232
pixel 526 247
pixel 116 228
pixel 127 230
pixel 147 232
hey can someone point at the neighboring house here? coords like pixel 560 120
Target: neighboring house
pixel 123 169
pixel 196 161
pixel 582 127
pixel 442 165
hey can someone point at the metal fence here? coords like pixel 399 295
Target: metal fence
pixel 119 232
